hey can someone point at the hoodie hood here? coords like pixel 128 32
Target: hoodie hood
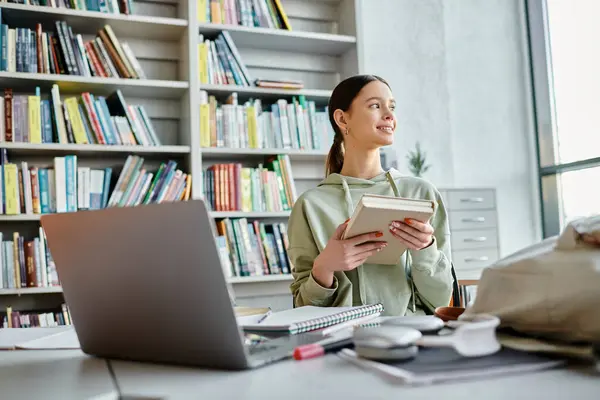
pixel 338 179
pixel 349 182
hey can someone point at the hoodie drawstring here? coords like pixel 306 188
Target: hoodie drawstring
pixel 392 184
pixel 406 266
pixel 349 204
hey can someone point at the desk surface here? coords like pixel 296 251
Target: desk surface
pixel 46 374
pixel 332 377
pixel 54 374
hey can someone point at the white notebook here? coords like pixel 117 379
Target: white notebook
pixel 309 318
pixel 62 337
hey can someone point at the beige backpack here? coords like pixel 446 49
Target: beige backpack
pixel 549 290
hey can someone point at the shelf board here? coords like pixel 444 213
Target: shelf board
pixel 319 96
pixel 282 40
pixel 75 84
pixel 20 217
pixel 90 22
pixel 221 153
pixel 57 149
pixel 252 214
pixel 36 290
pixel 260 278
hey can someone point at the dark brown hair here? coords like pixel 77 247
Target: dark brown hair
pixel 341 98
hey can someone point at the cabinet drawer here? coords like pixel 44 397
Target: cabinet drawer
pixel 473 259
pixel 468 274
pixel 470 199
pixel 472 220
pixel 474 239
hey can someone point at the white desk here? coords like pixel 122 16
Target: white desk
pixel 333 378
pixel 54 374
pixel 69 374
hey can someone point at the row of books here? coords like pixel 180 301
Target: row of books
pixel 103 6
pixel 64 52
pixel 268 188
pixel 252 248
pixel 68 187
pixel 250 13
pixel 80 119
pixel 26 263
pixel 220 63
pixel 34 319
pixel 138 185
pixel 294 124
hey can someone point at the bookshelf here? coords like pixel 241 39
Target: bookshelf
pixel 320 50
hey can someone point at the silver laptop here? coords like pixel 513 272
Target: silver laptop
pixel 146 284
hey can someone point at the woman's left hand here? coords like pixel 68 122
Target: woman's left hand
pixel 415 234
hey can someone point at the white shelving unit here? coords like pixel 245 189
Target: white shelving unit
pixel 321 50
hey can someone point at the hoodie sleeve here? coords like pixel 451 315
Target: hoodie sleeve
pixel 431 266
pixel 302 252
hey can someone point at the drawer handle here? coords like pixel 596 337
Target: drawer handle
pixel 477 219
pixel 472 200
pixel 474 259
pixel 477 239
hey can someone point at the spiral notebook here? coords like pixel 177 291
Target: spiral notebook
pixel 310 318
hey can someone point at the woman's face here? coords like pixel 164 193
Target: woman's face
pixel 371 121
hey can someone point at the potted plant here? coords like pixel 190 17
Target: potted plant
pixel 417 161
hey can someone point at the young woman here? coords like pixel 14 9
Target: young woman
pixel 329 271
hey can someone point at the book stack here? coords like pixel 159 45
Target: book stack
pixel 268 188
pixel 80 119
pixel 137 185
pixel 41 318
pixel 105 6
pixel 293 124
pixel 63 52
pixel 26 263
pixel 68 187
pixel 220 62
pixel 279 83
pixel 249 13
pixel 253 248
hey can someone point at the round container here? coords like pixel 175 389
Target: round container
pixel 448 313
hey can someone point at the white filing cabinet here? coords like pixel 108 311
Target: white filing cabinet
pixel 474 229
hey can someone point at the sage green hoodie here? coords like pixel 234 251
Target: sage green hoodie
pixel 316 215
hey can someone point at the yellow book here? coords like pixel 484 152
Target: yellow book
pixel 204 125
pixel 16 263
pixel 188 187
pixel 246 183
pixel 284 18
pixel 76 121
pixel 35 119
pixel 11 189
pixel 252 128
pixel 202 11
pixel 203 62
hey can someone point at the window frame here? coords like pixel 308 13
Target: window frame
pixel 546 151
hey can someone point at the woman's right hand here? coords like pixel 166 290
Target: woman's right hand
pixel 344 255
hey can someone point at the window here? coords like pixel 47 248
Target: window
pixel 565 56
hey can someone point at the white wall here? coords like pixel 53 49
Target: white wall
pixel 403 42
pixel 459 72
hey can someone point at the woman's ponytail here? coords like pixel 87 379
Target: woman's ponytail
pixel 335 158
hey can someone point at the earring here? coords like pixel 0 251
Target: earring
pixel 347 131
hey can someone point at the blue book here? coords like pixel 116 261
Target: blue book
pixel 71 175
pixel 44 191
